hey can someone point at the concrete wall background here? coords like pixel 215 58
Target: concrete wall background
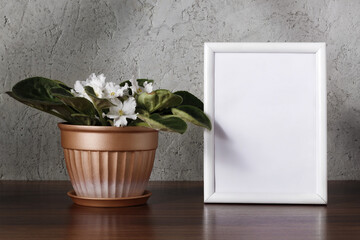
pixel 163 40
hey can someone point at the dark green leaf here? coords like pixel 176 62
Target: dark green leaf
pixel 158 100
pixel 142 112
pixel 141 124
pixel 138 122
pixel 192 114
pixel 190 99
pixel 63 85
pixel 99 103
pixel 83 119
pixel 60 111
pixel 53 97
pixel 60 91
pixel 165 123
pixel 82 105
pixel 37 89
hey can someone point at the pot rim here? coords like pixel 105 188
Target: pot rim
pixel 84 128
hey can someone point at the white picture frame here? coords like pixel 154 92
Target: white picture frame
pixel 267 104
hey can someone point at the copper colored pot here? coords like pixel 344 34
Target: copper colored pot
pixel 108 162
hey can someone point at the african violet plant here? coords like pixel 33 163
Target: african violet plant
pixel 100 103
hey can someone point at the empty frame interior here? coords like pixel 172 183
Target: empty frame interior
pixel 265 123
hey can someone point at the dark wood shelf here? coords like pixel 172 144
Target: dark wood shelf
pixel 42 210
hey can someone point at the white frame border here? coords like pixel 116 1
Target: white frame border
pixel 210 194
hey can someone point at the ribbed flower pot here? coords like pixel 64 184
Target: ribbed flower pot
pixel 107 163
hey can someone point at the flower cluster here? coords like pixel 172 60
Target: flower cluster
pixel 122 96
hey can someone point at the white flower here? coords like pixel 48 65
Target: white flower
pixel 79 90
pixel 135 88
pixel 148 87
pixel 121 111
pixel 113 90
pixel 97 83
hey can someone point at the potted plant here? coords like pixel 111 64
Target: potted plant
pixel 110 132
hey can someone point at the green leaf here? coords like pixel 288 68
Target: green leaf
pixel 192 114
pixel 37 89
pixel 143 80
pixel 61 111
pixel 142 112
pixel 35 92
pixel 190 99
pixel 54 97
pixel 99 103
pixel 83 119
pixel 164 123
pixel 63 85
pixel 139 122
pixel 80 104
pixel 60 91
pixel 158 100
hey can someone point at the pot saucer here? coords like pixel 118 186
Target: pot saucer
pixel 109 202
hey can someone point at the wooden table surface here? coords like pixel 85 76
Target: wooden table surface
pixel 41 210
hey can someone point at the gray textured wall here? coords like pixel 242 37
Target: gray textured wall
pixel 163 40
